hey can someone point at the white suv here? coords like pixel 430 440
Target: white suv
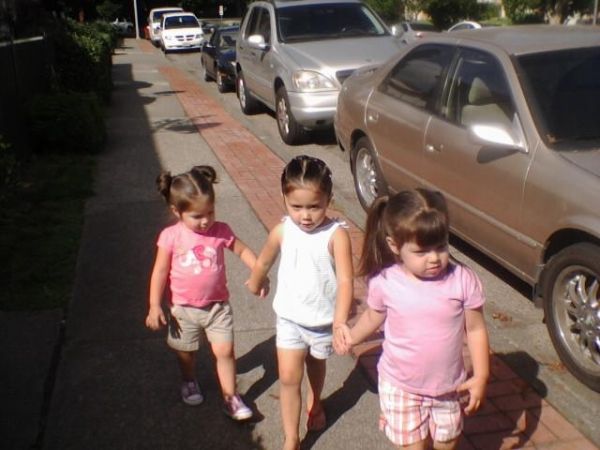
pixel 154 20
pixel 293 57
pixel 180 31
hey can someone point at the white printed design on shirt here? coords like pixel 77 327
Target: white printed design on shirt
pixel 200 258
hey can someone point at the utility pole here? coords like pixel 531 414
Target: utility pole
pixel 135 14
pixel 595 12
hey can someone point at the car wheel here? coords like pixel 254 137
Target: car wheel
pixel 205 75
pixel 368 180
pixel 221 86
pixel 248 104
pixel 291 132
pixel 571 289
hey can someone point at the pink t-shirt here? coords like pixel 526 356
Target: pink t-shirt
pixel 424 327
pixel 197 275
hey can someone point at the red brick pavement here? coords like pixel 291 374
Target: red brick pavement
pixel 514 416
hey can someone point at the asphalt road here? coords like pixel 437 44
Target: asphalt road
pixel 517 331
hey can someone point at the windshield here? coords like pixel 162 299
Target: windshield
pixel 181 22
pixel 156 16
pixel 564 89
pixel 327 21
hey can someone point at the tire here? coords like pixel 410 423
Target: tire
pixel 291 132
pixel 221 85
pixel 368 181
pixel 571 288
pixel 248 104
pixel 205 75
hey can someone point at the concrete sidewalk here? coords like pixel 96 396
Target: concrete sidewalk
pixel 117 384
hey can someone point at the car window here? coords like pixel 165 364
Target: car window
pixel 478 91
pixel 415 79
pixel 252 26
pixel 264 25
pixel 227 40
pixel 563 87
pixel 157 15
pixel 327 21
pixel 181 22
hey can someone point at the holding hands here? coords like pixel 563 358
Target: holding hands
pixel 342 339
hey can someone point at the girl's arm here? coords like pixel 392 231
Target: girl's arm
pixel 244 252
pixel 477 341
pixel 158 282
pixel 265 260
pixel 367 324
pixel 344 272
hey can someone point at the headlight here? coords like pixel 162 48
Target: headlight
pixel 168 37
pixel 305 80
pixel 197 36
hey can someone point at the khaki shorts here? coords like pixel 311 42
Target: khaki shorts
pixel 188 325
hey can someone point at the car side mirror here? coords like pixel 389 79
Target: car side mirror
pixel 257 41
pixel 499 136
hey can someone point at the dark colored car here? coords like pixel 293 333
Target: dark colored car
pixel 218 57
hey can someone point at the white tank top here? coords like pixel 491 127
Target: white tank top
pixel 306 281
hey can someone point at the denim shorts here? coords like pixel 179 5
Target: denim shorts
pixel 292 336
pixel 188 325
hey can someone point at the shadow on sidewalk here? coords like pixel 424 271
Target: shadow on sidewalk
pixel 337 404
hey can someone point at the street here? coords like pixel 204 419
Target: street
pixel 517 331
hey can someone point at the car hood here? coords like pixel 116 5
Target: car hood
pixel 330 56
pixel 191 30
pixel 587 160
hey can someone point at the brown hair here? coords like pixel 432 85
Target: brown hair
pixel 416 215
pixel 181 191
pixel 304 170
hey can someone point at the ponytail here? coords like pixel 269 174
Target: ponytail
pixel 376 254
pixel 180 191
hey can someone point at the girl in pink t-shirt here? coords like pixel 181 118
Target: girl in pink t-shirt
pixel 427 303
pixel 190 258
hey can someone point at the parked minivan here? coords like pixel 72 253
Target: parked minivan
pixel 294 55
pixel 154 21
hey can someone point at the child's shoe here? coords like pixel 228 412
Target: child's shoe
pixel 190 393
pixel 235 408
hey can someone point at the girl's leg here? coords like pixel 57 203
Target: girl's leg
pixel 449 445
pixel 187 365
pixel 225 363
pixel 315 371
pixel 291 371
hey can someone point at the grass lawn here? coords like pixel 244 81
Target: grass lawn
pixel 40 227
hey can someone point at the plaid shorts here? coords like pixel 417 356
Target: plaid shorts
pixel 408 418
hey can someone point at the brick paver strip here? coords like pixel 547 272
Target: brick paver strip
pixel 256 171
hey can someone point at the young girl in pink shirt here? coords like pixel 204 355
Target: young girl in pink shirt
pixel 190 258
pixel 427 303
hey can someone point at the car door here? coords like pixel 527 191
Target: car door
pixel 399 110
pixel 255 61
pixel 483 184
pixel 209 54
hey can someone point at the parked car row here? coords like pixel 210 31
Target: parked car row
pixel 502 120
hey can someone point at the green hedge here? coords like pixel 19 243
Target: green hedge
pixel 8 165
pixel 84 58
pixel 67 122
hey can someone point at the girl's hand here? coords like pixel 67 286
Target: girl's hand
pixel 265 288
pixel 475 386
pixel 342 340
pixel 156 318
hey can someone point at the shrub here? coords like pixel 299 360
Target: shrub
pixel 524 11
pixel 83 59
pixel 67 122
pixel 8 165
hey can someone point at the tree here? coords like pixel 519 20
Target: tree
pixel 444 13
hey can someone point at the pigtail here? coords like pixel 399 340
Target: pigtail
pixel 163 184
pixel 376 254
pixel 208 172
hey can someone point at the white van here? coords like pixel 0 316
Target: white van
pixel 154 21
